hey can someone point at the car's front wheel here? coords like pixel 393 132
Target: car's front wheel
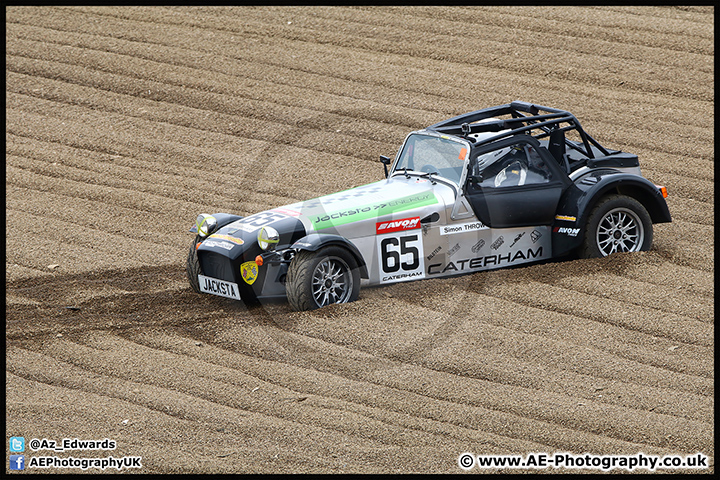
pixel 617 224
pixel 318 279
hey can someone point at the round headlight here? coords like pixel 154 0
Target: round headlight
pixel 268 237
pixel 206 224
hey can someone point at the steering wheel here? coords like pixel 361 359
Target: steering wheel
pixel 428 169
pixel 513 174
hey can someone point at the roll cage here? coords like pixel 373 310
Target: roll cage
pixel 524 118
pixel 497 127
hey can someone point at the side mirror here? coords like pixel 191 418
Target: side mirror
pixel 385 161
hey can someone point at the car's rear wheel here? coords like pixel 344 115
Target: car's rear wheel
pixel 318 279
pixel 617 224
pixel 192 266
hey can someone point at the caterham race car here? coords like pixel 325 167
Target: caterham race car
pixel 502 186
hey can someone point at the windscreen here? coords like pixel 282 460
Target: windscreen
pixel 432 154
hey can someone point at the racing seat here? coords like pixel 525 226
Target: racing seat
pixel 556 146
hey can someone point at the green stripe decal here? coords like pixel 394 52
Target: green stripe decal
pixel 372 210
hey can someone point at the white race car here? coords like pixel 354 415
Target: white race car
pixel 501 186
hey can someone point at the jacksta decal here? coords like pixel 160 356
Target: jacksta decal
pixel 377 209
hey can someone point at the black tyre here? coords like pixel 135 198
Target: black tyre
pixel 318 279
pixel 192 266
pixel 617 224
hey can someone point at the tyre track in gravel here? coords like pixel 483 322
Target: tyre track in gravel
pixel 656 147
pixel 59 350
pixel 123 123
pixel 234 53
pixel 342 37
pixel 691 185
pixel 301 340
pixel 68 352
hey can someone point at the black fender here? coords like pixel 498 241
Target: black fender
pixel 315 241
pixel 222 220
pixel 568 229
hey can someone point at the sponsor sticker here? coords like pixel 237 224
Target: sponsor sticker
pixel 375 209
pixel 434 252
pixel 286 211
pixel 397 225
pixel 496 244
pixel 476 248
pixel 238 241
pixel 461 227
pixel 518 237
pixel 214 243
pixel 567 218
pixel 572 232
pixel 489 261
pixel 249 272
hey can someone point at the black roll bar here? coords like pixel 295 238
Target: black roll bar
pixel 525 117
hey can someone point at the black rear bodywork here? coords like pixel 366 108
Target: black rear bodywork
pixel 563 202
